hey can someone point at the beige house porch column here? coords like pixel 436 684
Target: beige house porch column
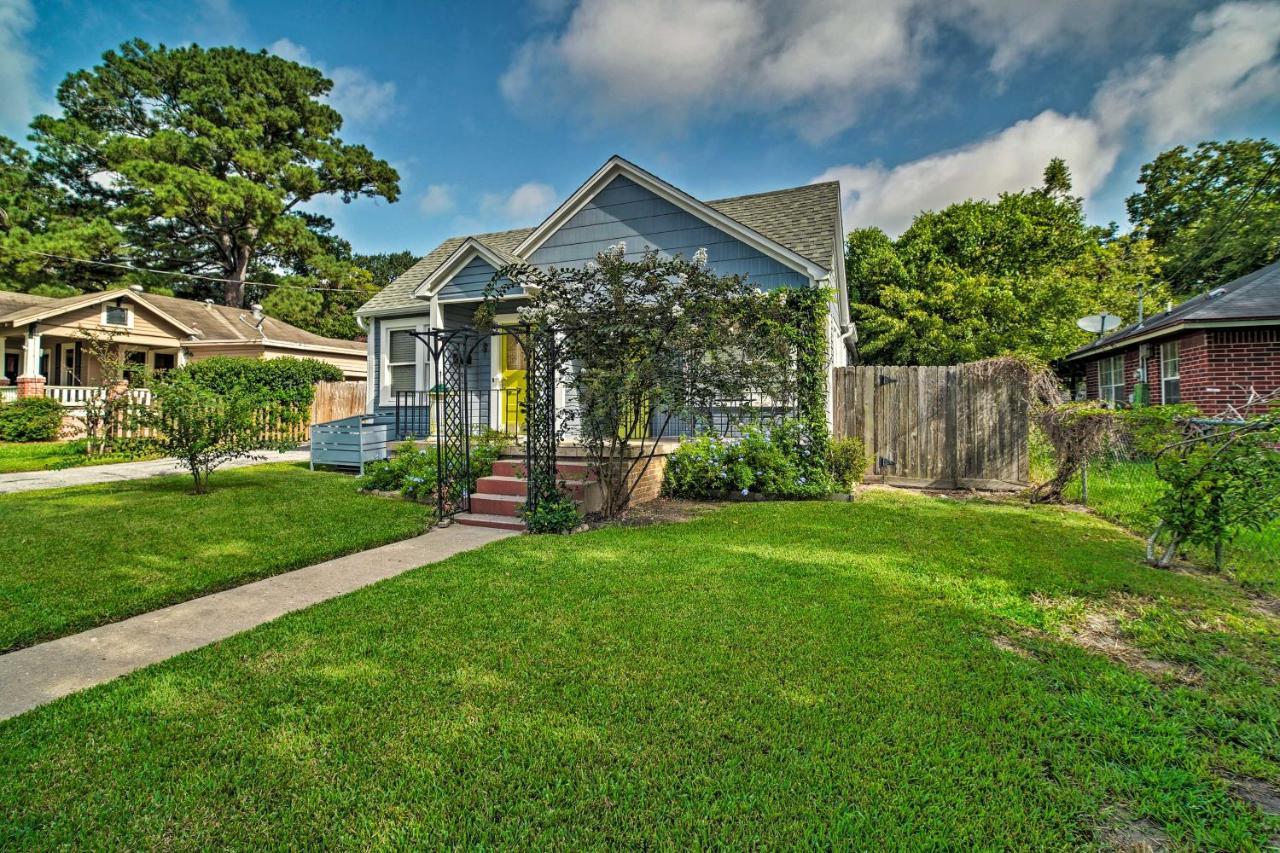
pixel 30 382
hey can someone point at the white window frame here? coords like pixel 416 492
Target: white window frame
pixel 1116 397
pixel 386 327
pixel 128 316
pixel 1165 376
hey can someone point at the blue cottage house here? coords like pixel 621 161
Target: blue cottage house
pixel 789 237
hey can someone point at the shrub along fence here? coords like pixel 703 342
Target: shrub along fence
pixel 961 426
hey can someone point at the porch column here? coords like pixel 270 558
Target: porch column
pixel 30 382
pixel 497 400
pixel 4 355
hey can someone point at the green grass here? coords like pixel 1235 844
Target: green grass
pixel 48 455
pixel 770 675
pixel 78 557
pixel 1124 492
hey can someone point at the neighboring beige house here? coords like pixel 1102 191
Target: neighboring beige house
pixel 42 337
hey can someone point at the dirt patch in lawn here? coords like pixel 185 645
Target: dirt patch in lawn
pixel 664 511
pixel 1134 836
pixel 1257 792
pixel 1097 627
pixel 1004 644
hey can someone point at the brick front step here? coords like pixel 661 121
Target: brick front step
pixel 480 519
pixel 502 485
pixel 488 504
pixel 567 470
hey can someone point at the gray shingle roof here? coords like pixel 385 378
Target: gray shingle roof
pixel 1255 296
pixel 399 293
pixel 803 219
pixel 209 322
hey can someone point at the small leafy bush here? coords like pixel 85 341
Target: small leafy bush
pixel 204 429
pixel 1217 484
pixel 30 419
pixel 847 461
pixel 414 472
pixel 1150 429
pixel 558 515
pixel 774 462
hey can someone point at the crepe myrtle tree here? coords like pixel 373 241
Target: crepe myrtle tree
pixel 643 341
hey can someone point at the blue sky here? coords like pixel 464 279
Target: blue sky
pixel 492 112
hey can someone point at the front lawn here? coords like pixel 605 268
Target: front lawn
pixel 50 455
pixel 898 672
pixel 78 557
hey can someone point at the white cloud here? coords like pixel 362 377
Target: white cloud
pixel 1228 65
pixel 19 103
pixel 816 63
pixel 526 204
pixel 1232 63
pixel 437 200
pixel 1014 31
pixel 1011 160
pixel 356 94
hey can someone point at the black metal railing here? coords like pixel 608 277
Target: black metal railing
pixel 416 411
pixel 727 418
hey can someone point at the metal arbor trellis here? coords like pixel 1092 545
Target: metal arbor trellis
pixel 452 416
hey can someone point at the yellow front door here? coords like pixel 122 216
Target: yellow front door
pixel 514 384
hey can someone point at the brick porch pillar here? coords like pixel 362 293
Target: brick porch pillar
pixel 30 386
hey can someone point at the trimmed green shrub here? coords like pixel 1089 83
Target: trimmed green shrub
pixel 847 459
pixel 30 419
pixel 284 380
pixel 777 461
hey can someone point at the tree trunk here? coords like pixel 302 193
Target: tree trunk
pixel 233 290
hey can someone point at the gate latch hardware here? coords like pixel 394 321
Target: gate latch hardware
pixel 885 463
pixel 886 380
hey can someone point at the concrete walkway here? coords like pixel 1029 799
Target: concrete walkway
pixel 26 481
pixel 39 674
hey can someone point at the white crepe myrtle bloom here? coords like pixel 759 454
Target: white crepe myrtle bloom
pixel 619 249
pixel 700 257
pixel 677 311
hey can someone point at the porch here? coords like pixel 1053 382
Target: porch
pixel 68 369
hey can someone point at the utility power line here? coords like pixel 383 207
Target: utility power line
pixel 130 268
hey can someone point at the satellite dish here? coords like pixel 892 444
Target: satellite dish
pixel 1099 324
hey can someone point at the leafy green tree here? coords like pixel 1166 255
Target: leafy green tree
pixel 37 219
pixel 204 157
pixel 386 267
pixel 1213 213
pixel 980 279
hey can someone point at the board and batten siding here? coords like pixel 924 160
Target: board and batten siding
pixel 624 210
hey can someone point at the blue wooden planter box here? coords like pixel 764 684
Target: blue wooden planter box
pixel 351 442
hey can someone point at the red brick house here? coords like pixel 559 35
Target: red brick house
pixel 1216 350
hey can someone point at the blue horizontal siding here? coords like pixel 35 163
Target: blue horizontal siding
pixel 470 281
pixel 623 210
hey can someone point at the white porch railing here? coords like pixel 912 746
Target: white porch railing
pixel 75 396
pixel 8 393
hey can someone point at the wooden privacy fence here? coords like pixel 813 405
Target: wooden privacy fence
pixel 961 426
pixel 337 400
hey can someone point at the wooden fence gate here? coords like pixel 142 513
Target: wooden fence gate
pixel 938 427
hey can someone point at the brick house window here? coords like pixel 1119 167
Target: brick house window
pixel 1170 389
pixel 1111 379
